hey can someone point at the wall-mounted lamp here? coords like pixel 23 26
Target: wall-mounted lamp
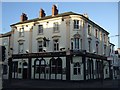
pixel 27 51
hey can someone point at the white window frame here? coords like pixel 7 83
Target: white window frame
pixel 40 46
pixel 55 27
pixel 77 43
pixel 89 46
pixel 96 33
pixel 21 45
pixel 76 24
pixel 21 32
pixel 105 48
pixel 89 30
pixel 40 29
pixel 56 45
pixel 77 68
pixel 97 48
pixel 105 38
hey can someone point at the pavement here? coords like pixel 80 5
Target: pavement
pixel 37 84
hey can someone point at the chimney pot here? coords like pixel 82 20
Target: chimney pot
pixel 23 17
pixel 54 10
pixel 42 13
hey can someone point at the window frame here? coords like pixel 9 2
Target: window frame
pixel 76 24
pixel 97 48
pixel 38 46
pixel 56 45
pixel 56 27
pixel 96 33
pixel 105 48
pixel 105 38
pixel 89 30
pixel 20 45
pixel 77 43
pixel 21 32
pixel 77 69
pixel 40 29
pixel 89 46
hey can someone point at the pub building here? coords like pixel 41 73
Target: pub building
pixel 66 46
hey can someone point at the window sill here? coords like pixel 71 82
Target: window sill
pixel 57 32
pixel 76 30
pixel 40 33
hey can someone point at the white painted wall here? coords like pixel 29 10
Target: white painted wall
pixel 63 36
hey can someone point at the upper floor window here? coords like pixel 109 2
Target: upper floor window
pixel 40 29
pixel 97 48
pixel 56 44
pixel 77 43
pixel 96 33
pixel 55 27
pixel 104 49
pixel 81 43
pixel 76 24
pixel 89 46
pixel 100 35
pixel 72 45
pixel 105 38
pixel 5 42
pixel 20 48
pixel 21 32
pixel 89 30
pixel 76 69
pixel 56 65
pixel 40 46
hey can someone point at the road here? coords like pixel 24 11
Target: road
pixel 24 84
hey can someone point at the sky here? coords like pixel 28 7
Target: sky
pixel 104 14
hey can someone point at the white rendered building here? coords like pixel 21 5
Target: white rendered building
pixel 66 46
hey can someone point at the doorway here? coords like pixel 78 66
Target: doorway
pixel 24 74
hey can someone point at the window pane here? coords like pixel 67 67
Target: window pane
pixel 89 30
pixel 37 70
pixel 76 24
pixel 40 46
pixel 75 71
pixel 40 29
pixel 72 45
pixel 19 70
pixel 59 70
pixel 56 45
pixel 76 43
pixel 53 70
pixel 20 47
pixel 79 72
pixel 55 27
pixel 42 69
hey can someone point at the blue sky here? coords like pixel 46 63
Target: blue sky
pixel 104 14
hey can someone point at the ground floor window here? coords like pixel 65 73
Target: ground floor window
pixel 19 70
pixel 76 68
pixel 56 65
pixel 106 71
pixel 4 69
pixel 40 66
pixel 15 66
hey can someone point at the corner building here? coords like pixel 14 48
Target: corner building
pixel 66 46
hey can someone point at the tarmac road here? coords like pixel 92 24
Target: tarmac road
pixel 35 84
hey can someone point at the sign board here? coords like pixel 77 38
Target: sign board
pixel 109 58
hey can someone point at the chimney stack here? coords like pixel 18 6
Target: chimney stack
pixel 23 17
pixel 54 10
pixel 42 13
